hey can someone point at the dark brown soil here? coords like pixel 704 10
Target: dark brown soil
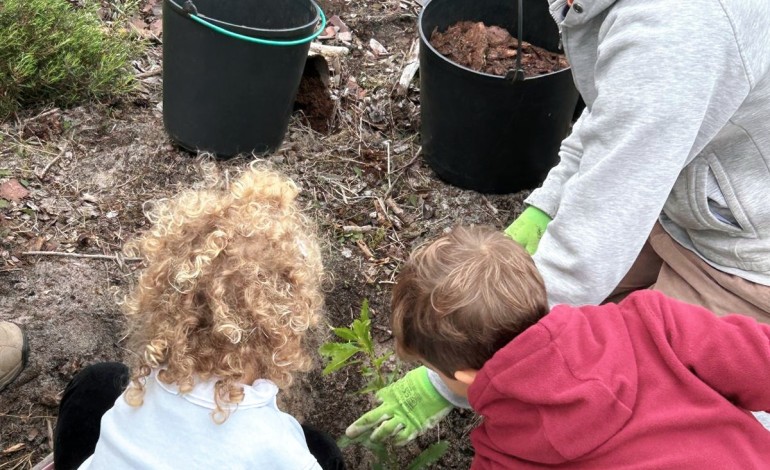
pixel 314 100
pixel 492 50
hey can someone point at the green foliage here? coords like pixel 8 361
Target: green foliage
pixel 53 53
pixel 357 348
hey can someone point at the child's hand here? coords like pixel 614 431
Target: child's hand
pixel 528 228
pixel 410 406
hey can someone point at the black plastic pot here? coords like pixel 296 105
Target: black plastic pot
pixel 486 132
pixel 223 94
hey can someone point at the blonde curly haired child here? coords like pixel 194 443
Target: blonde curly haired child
pixel 218 318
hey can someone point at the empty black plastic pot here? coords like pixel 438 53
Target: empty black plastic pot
pixel 226 95
pixel 485 132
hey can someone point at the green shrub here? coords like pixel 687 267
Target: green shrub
pixel 53 53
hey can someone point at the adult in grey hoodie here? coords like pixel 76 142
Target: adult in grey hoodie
pixel 676 129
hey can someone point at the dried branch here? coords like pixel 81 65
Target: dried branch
pixel 410 69
pixel 80 255
pixel 151 73
pixel 357 228
pixel 328 51
pixel 42 174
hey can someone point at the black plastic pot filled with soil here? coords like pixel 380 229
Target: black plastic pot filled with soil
pixel 231 70
pixel 491 130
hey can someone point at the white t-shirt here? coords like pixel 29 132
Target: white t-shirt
pixel 175 431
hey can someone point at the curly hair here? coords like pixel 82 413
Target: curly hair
pixel 232 282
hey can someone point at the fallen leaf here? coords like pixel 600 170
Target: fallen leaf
pixel 353 90
pixel 4 203
pixel 13 190
pixel 345 37
pixel 378 49
pixel 36 243
pixel 138 23
pixel 89 198
pixel 156 28
pixel 328 33
pixel 341 26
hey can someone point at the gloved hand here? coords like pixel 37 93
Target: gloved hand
pixel 410 406
pixel 528 228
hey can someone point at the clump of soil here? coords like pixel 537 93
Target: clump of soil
pixel 314 98
pixel 492 50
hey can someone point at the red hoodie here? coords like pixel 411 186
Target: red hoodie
pixel 649 383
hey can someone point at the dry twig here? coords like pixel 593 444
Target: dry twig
pixel 328 51
pixel 365 249
pixel 357 228
pixel 151 73
pixel 80 255
pixel 42 174
pixel 494 209
pixel 394 207
pixel 42 115
pixel 410 69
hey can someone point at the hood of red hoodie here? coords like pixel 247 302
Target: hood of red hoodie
pixel 557 391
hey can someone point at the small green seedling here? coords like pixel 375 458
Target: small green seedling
pixel 357 347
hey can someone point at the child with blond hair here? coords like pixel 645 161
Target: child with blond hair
pixel 651 382
pixel 218 320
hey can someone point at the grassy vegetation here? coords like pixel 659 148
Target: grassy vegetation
pixel 54 53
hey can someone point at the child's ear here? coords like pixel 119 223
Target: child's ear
pixel 466 376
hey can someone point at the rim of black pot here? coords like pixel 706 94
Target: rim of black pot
pixel 426 41
pixel 254 32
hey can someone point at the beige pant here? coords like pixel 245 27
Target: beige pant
pixel 666 266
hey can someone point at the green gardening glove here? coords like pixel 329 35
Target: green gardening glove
pixel 528 228
pixel 410 406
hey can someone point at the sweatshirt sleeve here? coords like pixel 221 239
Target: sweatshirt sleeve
pixel 547 197
pixel 730 354
pixel 662 95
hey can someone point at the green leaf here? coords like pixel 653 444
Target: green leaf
pixel 378 449
pixel 4 203
pixel 339 354
pixel 364 315
pixel 357 171
pixel 345 441
pixel 345 333
pixel 24 183
pixel 4 172
pixel 379 361
pixel 429 456
pixel 363 333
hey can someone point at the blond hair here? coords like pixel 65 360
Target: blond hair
pixel 463 296
pixel 231 285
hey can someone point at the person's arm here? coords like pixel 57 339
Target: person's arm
pixel 730 354
pixel 547 196
pixel 662 95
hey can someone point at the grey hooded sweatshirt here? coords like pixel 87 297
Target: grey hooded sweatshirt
pixel 677 127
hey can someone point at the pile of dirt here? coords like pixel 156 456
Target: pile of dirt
pixel 492 50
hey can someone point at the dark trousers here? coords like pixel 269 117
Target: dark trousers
pixel 94 390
